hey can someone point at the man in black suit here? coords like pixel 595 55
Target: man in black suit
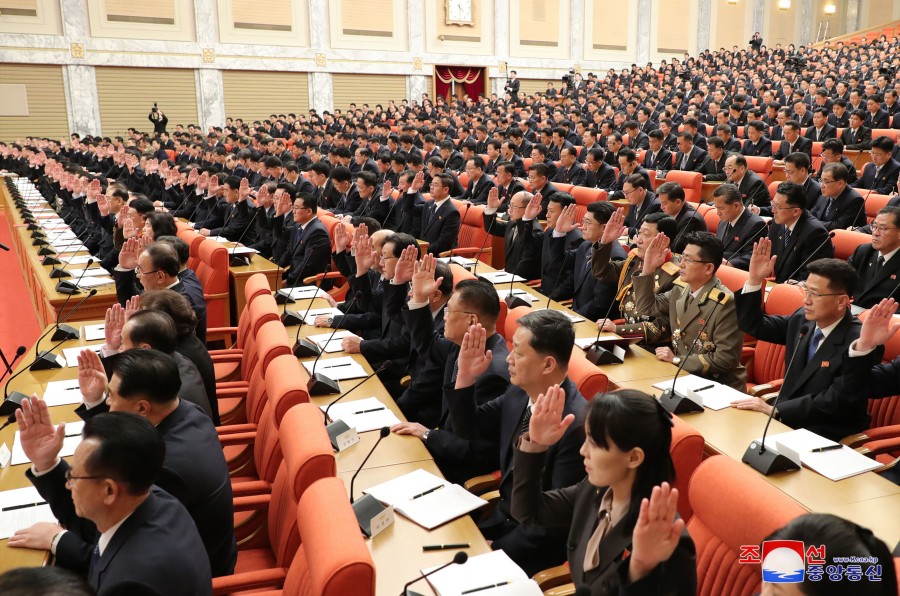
pixel 672 203
pixel 802 116
pixel 507 184
pixel 689 157
pixel 793 142
pixel 304 246
pixel 406 213
pixel 521 252
pixel 880 175
pixel 113 469
pixel 818 335
pixel 641 202
pixel 238 213
pixel 628 165
pixel 637 140
pixel 473 302
pixel 657 157
pixel 479 184
pixel 453 160
pixel 840 206
pixel 372 204
pixel 876 263
pixel 757 143
pixel 614 145
pixel 539 155
pixel 599 173
pixel 833 152
pixel 440 217
pixel 592 298
pixel 509 155
pixel 875 116
pixel 557 282
pixel 539 180
pixel 738 227
pixel 857 136
pixel 797 237
pixel 570 171
pixel 797 170
pixel 732 145
pixel 753 189
pixel 714 168
pixel 542 346
pixel 820 131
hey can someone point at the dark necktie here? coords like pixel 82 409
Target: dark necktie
pixel 814 344
pixel 526 420
pixel 787 237
pixel 878 265
pixel 829 209
pixel 298 235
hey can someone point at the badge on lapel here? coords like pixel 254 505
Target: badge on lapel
pixel 625 554
pixel 736 239
pixel 825 364
pixel 893 276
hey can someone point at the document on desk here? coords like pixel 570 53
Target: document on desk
pixel 364 415
pixel 328 312
pixel 72 248
pixel 70 442
pixel 62 393
pixel 321 339
pixel 518 294
pixel 242 250
pixel 715 395
pixel 586 342
pixel 77 260
pixel 835 463
pixel 94 332
pixel 94 282
pixel 461 261
pixel 490 574
pixel 500 277
pixel 571 317
pixel 426 499
pixel 338 369
pixel 91 272
pixel 303 292
pixel 71 354
pixel 21 508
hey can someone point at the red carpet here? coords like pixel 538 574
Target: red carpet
pixel 18 322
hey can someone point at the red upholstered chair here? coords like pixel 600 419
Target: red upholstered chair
pixel 691 182
pixel 760 165
pixel 687 453
pixel 885 132
pixel 585 196
pixel 589 379
pixel 512 322
pixel 460 273
pixel 472 235
pixel 724 519
pixel 257 313
pixel 766 369
pixel 846 241
pixel 212 270
pixel 710 216
pixel 874 204
pixel 194 240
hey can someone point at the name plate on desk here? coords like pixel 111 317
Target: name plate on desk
pixel 382 521
pixel 341 435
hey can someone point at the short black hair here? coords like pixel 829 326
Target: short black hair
pixel 716 142
pixel 793 193
pixel 400 241
pixel 340 174
pixel 131 451
pixel 164 258
pixel 443 270
pixel 885 143
pixel 162 224
pixel 309 201
pixel 798 159
pixel 711 248
pixel 181 247
pixel 841 276
pixel 155 328
pixel 893 211
pixel 552 334
pixel 481 298
pixel 601 211
pixel 672 190
pixel 729 192
pixel 563 198
pixel 146 373
pixel 838 171
pixel 664 223
pixel 48 581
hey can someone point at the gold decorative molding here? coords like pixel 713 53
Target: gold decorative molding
pixel 77 50
pixel 417 63
pixel 501 67
pixel 321 60
pixel 209 55
pixel 577 69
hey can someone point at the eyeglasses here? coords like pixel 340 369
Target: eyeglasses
pixel 823 182
pixel 463 312
pixel 139 273
pixel 776 207
pixel 70 478
pixel 814 294
pixel 690 260
pixel 879 228
pixel 628 192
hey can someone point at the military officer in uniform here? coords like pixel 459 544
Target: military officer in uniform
pixel 701 311
pixel 653 329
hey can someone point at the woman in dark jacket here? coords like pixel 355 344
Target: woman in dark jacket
pixel 625 536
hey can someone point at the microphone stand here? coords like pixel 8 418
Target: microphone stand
pixel 597 354
pixel 459 559
pixel 318 383
pixel 242 260
pixel 367 507
pixel 9 363
pixel 304 348
pixel 67 287
pixel 513 301
pixel 803 264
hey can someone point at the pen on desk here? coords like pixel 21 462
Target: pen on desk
pixel 433 547
pixel 367 411
pixel 428 492
pixel 828 448
pixel 506 583
pixel 25 506
pixel 704 388
pixel 338 365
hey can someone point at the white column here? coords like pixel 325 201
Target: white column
pixel 704 16
pixel 321 85
pixel 416 84
pixel 206 21
pixel 851 19
pixel 807 22
pixel 321 91
pixel 643 31
pixel 210 97
pixel 501 47
pixel 82 104
pixel 759 16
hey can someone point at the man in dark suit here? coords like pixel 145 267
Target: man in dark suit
pixel 833 152
pixel 797 237
pixel 637 140
pixel 757 143
pixel 820 131
pixel 672 203
pixel 753 189
pixel 797 170
pixel 876 263
pixel 599 173
pixel 479 184
pixel 114 468
pixel 521 252
pixel 557 282
pixel 406 213
pixel 880 175
pixel 738 227
pixel 714 168
pixel 641 202
pixel 473 302
pixel 875 116
pixel 614 145
pixel 818 335
pixel 570 171
pixel 628 166
pixel 304 246
pixel 372 204
pixel 507 184
pixel 239 214
pixel 542 346
pixel 689 157
pixel 657 157
pixel 539 180
pixel 440 217
pixel 857 136
pixel 793 142
pixel 508 153
pixel 732 145
pixel 840 206
pixel 592 298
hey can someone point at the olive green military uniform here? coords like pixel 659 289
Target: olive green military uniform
pixel 717 355
pixel 653 329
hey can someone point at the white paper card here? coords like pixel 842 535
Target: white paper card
pixel 94 332
pixel 518 294
pixel 62 393
pixel 337 369
pixel 479 571
pixel 500 277
pixel 71 354
pixel 334 345
pixel 364 415
pixel 93 282
pixel 348 438
pixel 92 272
pixel 382 521
pixel 835 464
pixel 77 260
pixel 303 292
pixel 5 455
pixel 328 312
pixel 21 508
pixel 242 250
pixel 72 440
pixel 586 342
pixel 572 317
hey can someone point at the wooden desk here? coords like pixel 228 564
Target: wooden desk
pixel 708 189
pixel 859 158
pixel 777 173
pixel 880 515
pixel 397 551
pixel 238 277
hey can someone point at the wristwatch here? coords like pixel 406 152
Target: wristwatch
pixel 425 436
pixel 676 360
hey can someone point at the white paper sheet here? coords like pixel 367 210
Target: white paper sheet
pixel 364 415
pixel 311 316
pixel 72 440
pixel 483 570
pixel 334 345
pixel 62 393
pixel 12 520
pixel 337 369
pixel 71 354
pixel 94 332
pixel 500 277
pixel 519 294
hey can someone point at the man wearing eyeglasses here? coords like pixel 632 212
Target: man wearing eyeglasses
pixel 304 246
pixel 840 206
pixel 833 152
pixel 521 232
pixel 880 176
pixel 797 237
pixel 817 337
pixel 876 263
pixel 796 170
pixel 642 202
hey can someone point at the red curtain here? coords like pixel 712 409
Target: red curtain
pixel 467 80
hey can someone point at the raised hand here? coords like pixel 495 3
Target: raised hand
pixel 494 201
pixel 386 189
pixel 132 306
pixel 418 181
pixel 128 256
pixel 364 252
pixel 112 326
pixel 762 263
pixel 566 221
pixel 615 227
pixel 41 441
pixel 656 533
pixel 145 241
pixel 533 209
pixel 214 184
pixel 406 268
pixel 128 228
pixel 879 326
pixel 203 181
pixel 103 205
pixel 547 424
pixel 93 190
pixel 244 189
pixel 473 360
pixel 341 238
pixel 424 285
pixel 122 216
pixel 91 376
pixel 655 253
pixel 193 177
pixel 283 205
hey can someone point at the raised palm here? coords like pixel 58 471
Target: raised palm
pixel 547 425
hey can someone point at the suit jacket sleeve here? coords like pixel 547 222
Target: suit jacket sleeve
pixel 447 237
pixel 318 255
pixel 52 487
pixel 531 506
pixel 880 380
pixel 752 320
pixel 742 260
pixel 470 420
pixel 647 302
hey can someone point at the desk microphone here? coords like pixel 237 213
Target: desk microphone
pixel 242 260
pixel 382 433
pixel 747 241
pixel 818 248
pixel 61 271
pixel 303 348
pixel 459 559
pixel 66 287
pixel 597 354
pixel 484 241
pixel 318 383
pixel 861 207
pixel 367 507
pixel 562 268
pixel 177 209
pixel 672 402
pixel 9 363
pixel 767 461
pixel 384 365
pixel 70 289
